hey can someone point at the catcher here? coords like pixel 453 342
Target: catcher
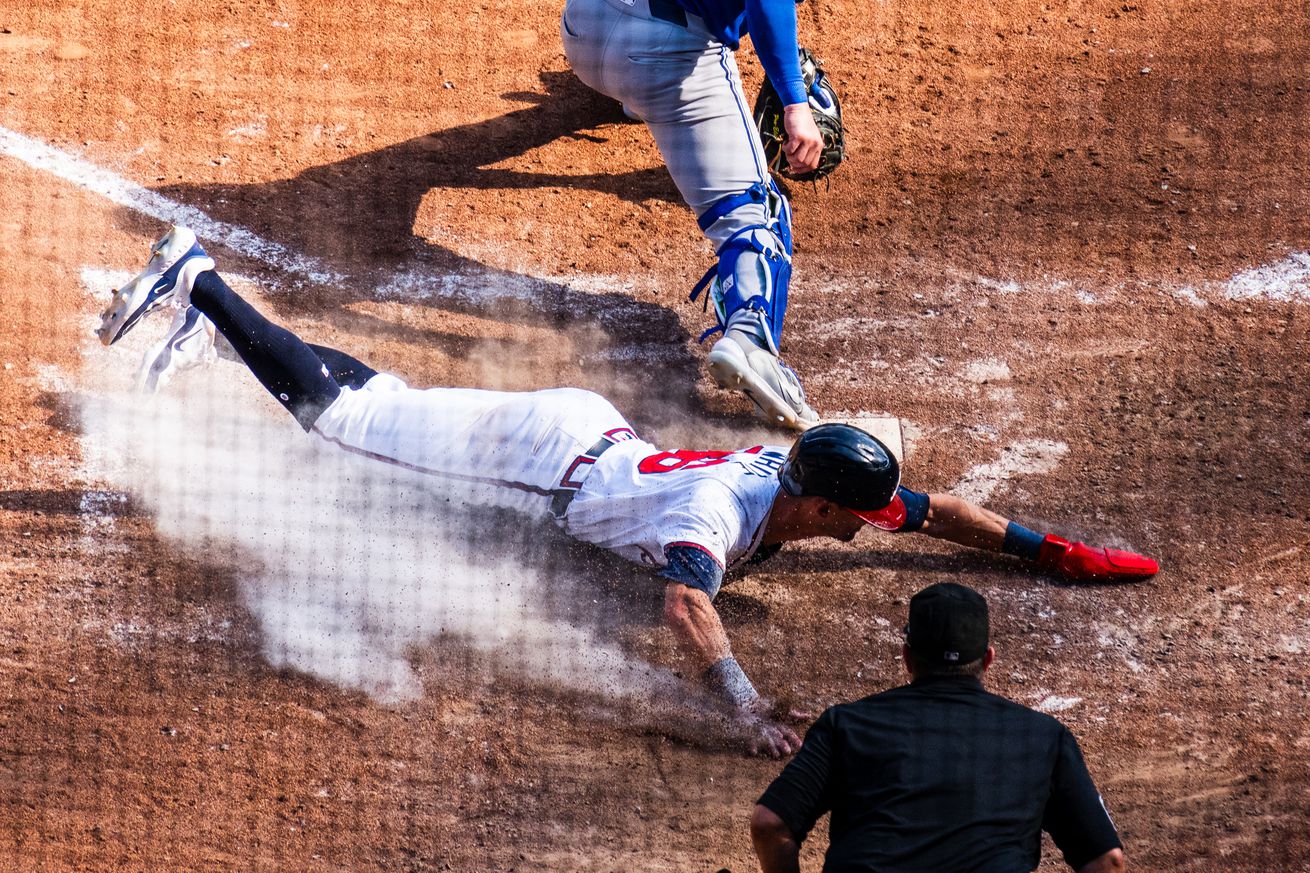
pixel 568 455
pixel 671 64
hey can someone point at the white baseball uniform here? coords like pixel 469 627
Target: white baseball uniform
pixel 565 454
pixel 639 501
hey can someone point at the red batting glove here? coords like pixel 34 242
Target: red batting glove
pixel 1083 563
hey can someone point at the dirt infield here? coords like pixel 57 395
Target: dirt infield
pixel 1069 248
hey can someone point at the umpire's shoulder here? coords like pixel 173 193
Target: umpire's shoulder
pixel 1036 717
pixel 889 697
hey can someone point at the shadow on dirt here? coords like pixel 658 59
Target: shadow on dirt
pixel 362 209
pixel 829 560
pixel 357 217
pixel 70 502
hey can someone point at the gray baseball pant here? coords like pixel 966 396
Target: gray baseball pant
pixel 686 87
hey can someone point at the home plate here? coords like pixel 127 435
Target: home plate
pixel 887 428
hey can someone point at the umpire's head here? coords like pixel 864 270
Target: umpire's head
pixel 948 633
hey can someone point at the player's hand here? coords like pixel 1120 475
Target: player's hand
pixel 764 736
pixel 1080 562
pixel 804 143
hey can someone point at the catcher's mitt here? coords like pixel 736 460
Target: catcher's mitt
pixel 827 115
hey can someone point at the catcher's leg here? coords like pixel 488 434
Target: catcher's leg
pixel 283 363
pixel 713 151
pixel 686 87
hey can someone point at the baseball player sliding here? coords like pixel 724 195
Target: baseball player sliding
pixel 568 455
pixel 671 64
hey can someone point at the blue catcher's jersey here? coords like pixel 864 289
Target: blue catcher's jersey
pixel 772 28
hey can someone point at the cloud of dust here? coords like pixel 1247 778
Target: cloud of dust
pixel 348 565
pixel 652 386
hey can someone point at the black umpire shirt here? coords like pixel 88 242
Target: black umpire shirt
pixel 941 776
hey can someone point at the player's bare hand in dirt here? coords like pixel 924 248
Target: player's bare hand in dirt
pixel 764 736
pixel 804 143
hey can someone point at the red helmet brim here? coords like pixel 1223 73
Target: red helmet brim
pixel 890 517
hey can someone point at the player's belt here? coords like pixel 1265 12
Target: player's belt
pixel 576 474
pixel 667 10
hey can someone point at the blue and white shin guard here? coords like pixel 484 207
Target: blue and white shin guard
pixel 749 283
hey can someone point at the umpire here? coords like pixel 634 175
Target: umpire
pixel 938 776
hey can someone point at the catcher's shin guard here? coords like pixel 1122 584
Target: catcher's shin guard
pixel 754 264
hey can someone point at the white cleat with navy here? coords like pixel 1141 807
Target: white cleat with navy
pixel 175 262
pixel 188 343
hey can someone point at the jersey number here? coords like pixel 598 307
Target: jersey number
pixel 667 462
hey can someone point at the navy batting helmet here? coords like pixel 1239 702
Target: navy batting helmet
pixel 844 464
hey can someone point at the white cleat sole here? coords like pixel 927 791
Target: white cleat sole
pixel 189 343
pixel 731 370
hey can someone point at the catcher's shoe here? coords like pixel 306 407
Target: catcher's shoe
pixel 188 343
pixel 742 362
pixel 175 261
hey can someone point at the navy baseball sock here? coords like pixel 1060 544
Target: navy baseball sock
pixel 1022 542
pixel 279 359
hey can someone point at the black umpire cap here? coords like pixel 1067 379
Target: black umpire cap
pixel 948 624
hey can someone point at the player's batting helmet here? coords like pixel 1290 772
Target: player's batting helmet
pixel 844 464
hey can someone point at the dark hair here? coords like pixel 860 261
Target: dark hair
pixel 973 669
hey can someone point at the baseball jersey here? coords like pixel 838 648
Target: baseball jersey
pixel 570 456
pixel 772 28
pixel 640 502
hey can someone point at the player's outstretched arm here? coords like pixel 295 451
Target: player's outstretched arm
pixel 959 521
pixel 691 615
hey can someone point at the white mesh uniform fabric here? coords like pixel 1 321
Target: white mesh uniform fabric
pixel 513 450
pixel 638 500
pixel 487 448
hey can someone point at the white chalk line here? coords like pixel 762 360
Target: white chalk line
pixel 124 192
pixel 1285 281
pixel 1023 457
pixel 1055 703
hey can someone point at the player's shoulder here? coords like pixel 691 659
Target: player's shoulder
pixel 751 482
pixel 705 492
pixel 756 467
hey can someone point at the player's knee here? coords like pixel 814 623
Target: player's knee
pixel 762 205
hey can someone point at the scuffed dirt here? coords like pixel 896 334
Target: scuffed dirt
pixel 1030 241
